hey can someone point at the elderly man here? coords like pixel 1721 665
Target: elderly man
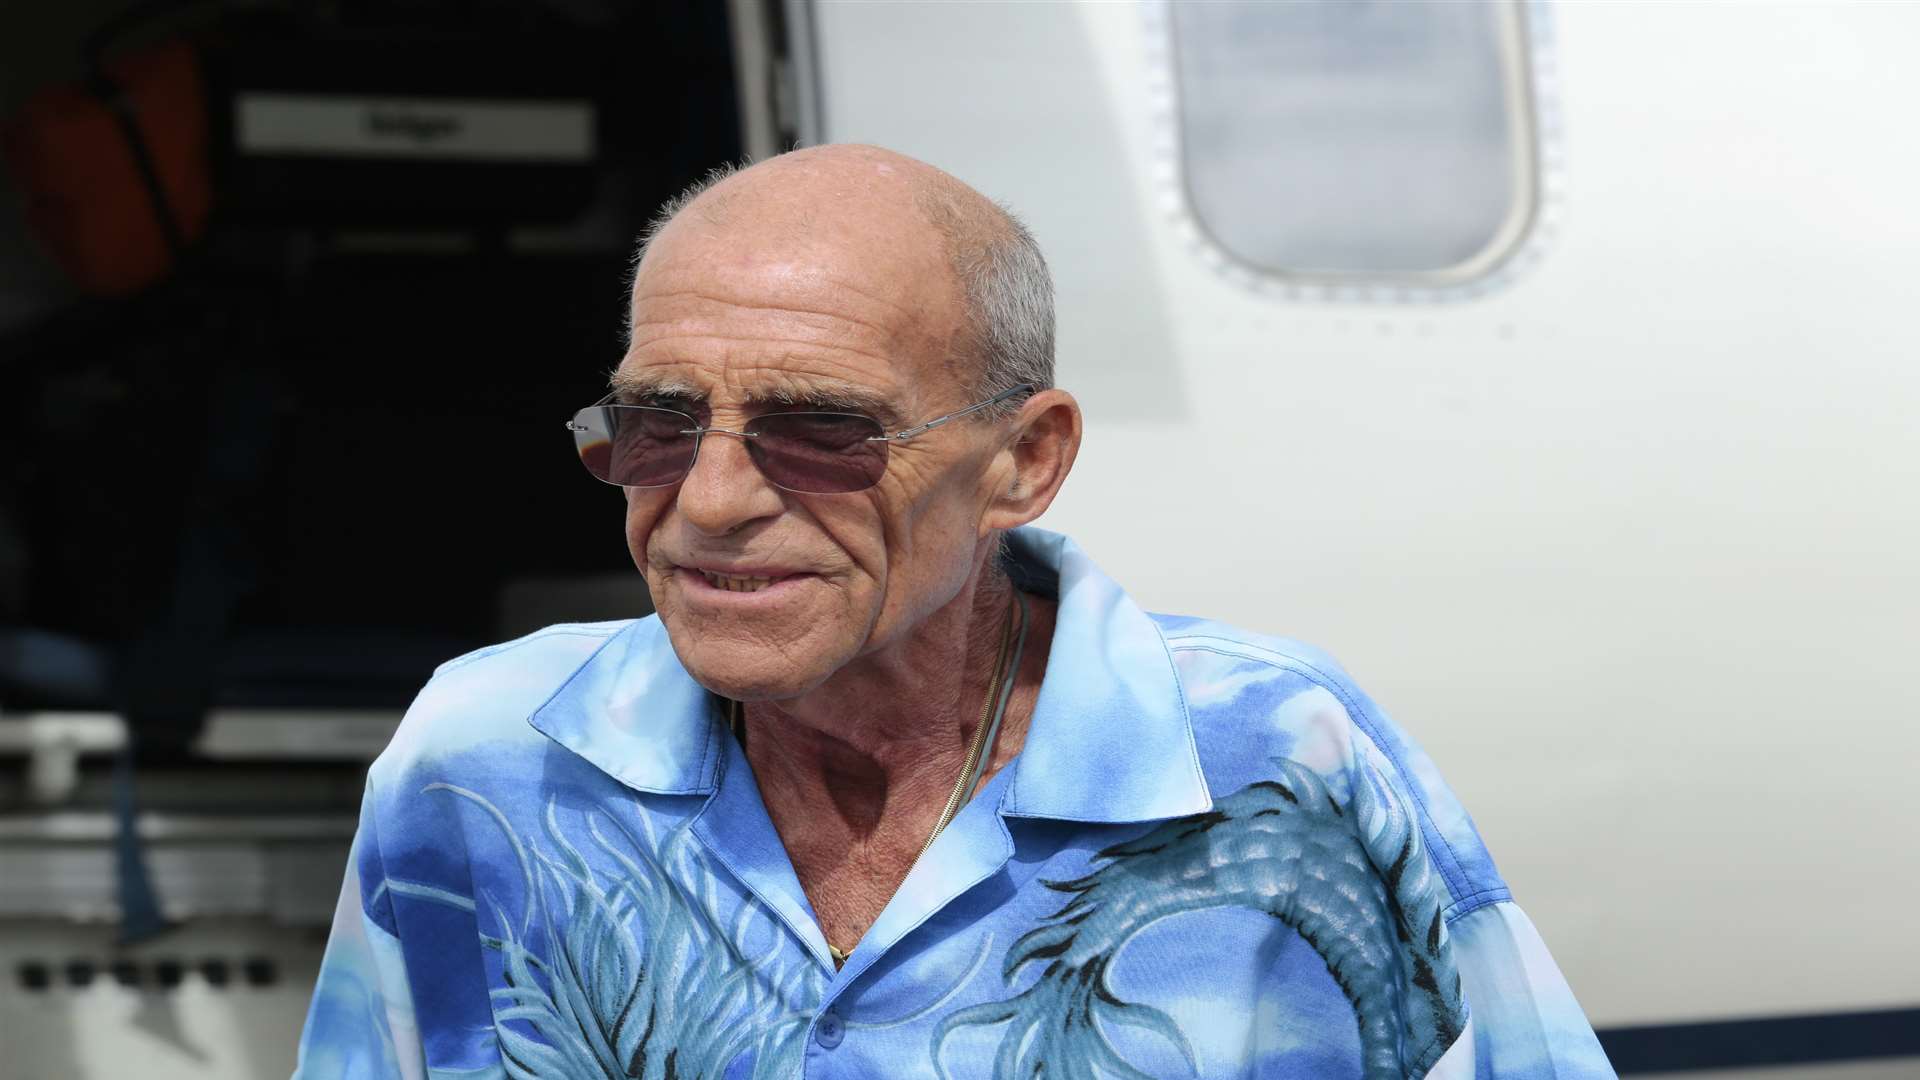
pixel 891 785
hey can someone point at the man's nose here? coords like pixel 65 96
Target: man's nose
pixel 724 490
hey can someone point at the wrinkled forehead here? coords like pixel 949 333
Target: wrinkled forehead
pixel 857 283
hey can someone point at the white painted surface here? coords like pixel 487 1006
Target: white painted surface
pixel 193 1031
pixel 1632 546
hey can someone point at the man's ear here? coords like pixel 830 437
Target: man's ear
pixel 1038 456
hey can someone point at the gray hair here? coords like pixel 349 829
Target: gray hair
pixel 1009 295
pixel 1001 272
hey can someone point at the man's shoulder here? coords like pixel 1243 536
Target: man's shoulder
pixel 1256 697
pixel 1187 633
pixel 1268 695
pixel 484 698
pixel 549 644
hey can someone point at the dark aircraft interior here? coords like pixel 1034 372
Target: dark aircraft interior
pixel 293 436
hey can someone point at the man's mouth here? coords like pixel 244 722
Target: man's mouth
pixel 745 580
pixel 736 583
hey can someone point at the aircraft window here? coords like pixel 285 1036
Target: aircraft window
pixel 1336 140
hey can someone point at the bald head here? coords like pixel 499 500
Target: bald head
pixel 824 197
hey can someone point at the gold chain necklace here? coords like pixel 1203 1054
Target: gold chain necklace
pixel 986 734
pixel 983 732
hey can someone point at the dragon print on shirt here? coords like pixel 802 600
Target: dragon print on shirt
pixel 1356 889
pixel 624 969
pixel 630 974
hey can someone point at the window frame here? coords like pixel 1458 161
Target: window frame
pixel 1524 42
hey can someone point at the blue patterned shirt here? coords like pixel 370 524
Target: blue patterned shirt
pixel 1213 857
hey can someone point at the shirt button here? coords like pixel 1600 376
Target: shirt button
pixel 829 1030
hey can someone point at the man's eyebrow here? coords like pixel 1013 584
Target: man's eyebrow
pixel 829 395
pixel 834 396
pixel 633 386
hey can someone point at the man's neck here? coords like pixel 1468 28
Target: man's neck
pixel 855 774
pixel 888 734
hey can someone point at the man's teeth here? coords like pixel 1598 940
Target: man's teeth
pixel 736 584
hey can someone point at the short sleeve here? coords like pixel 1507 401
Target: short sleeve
pixel 360 1025
pixel 1522 1021
pixel 1525 1023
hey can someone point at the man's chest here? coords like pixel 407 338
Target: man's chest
pixel 850 855
pixel 653 944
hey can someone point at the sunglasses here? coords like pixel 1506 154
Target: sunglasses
pixel 813 453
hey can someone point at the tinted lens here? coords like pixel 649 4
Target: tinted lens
pixel 634 446
pixel 821 453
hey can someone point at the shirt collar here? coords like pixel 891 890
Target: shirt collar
pixel 636 714
pixel 1110 739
